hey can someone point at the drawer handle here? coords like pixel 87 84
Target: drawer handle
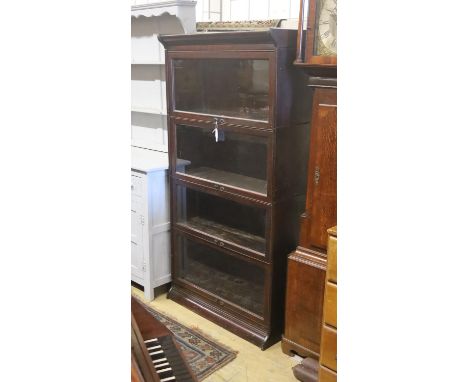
pixel 221 302
pixel 221 188
pixel 317 175
pixel 218 242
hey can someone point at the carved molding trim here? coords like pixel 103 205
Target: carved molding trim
pixel 227 124
pixel 322 82
pixel 187 180
pixel 309 257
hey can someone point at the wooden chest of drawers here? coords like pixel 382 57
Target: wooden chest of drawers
pixel 328 348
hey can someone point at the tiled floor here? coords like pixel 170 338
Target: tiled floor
pixel 251 364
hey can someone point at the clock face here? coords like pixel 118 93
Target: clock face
pixel 325 31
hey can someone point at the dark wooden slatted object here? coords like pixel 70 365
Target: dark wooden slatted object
pixel 142 366
pixel 152 341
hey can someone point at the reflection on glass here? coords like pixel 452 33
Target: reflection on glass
pixel 236 160
pixel 228 87
pixel 225 219
pixel 230 278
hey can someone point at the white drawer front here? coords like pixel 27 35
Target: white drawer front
pixel 137 186
pixel 137 254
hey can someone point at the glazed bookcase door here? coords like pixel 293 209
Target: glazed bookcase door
pixel 227 159
pixel 234 283
pixel 232 223
pixel 236 86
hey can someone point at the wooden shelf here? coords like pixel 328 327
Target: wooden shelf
pixel 229 179
pixel 227 233
pixel 148 110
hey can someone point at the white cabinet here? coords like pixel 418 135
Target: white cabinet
pixel 138 223
pixel 150 236
pixel 149 116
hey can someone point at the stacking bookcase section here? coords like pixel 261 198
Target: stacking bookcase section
pixel 230 280
pixel 240 225
pixel 238 141
pixel 245 82
pixel 232 159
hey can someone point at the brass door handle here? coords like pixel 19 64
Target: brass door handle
pixel 316 175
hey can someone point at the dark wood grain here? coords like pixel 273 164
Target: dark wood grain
pixel 148 326
pixel 136 375
pixel 304 300
pixel 321 207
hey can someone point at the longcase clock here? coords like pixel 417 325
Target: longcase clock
pixel 317 55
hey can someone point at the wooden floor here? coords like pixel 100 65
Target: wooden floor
pixel 251 364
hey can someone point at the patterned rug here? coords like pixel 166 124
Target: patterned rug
pixel 204 355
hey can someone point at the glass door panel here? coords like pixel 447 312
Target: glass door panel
pixel 234 280
pixel 233 159
pixel 229 221
pixel 236 88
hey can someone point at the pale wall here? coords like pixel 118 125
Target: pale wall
pixel 238 10
pixel 241 10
